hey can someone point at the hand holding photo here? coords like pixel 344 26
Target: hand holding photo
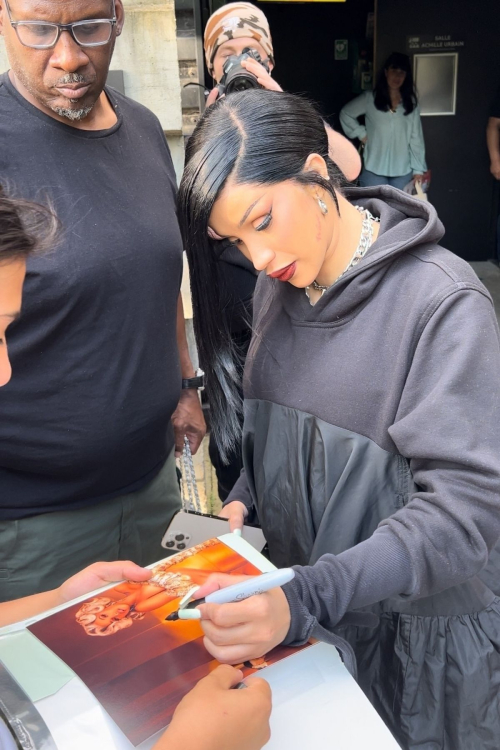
pixel 103 616
pixel 143 670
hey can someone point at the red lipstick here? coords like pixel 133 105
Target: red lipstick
pixel 284 274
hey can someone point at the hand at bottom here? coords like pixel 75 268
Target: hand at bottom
pixel 213 716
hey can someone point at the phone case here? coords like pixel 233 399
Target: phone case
pixel 189 527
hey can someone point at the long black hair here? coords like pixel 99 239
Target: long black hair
pixel 256 137
pixel 397 61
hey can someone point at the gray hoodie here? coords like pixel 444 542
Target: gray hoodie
pixel 372 426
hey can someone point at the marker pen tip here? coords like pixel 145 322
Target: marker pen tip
pixel 172 616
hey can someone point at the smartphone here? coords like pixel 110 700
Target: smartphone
pixel 189 527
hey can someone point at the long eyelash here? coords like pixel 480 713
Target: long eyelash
pixel 265 223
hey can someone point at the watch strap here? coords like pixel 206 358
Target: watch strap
pixel 197 382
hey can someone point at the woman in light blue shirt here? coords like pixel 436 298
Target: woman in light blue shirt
pixel 394 142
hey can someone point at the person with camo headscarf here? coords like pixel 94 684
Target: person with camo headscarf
pixel 237 21
pixel 236 26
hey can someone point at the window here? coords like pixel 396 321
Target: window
pixel 436 81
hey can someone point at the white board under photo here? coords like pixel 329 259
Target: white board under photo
pixel 436 82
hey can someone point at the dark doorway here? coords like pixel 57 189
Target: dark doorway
pixel 462 189
pixel 304 37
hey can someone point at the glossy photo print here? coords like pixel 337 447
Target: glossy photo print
pixel 138 665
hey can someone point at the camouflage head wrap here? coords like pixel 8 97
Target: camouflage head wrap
pixel 234 21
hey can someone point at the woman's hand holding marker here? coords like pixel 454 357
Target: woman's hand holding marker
pixel 244 630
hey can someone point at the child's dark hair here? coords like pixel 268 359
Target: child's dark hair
pixel 254 137
pixel 25 228
pixel 397 61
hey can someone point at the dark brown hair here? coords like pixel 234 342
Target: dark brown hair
pixel 398 61
pixel 25 228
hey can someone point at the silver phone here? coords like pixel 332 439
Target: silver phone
pixel 189 527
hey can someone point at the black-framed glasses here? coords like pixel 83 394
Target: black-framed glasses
pixel 43 34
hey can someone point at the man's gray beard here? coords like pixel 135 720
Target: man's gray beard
pixel 72 114
pixel 75 115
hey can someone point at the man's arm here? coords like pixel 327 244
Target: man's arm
pixel 493 142
pixel 188 418
pixel 187 368
pixel 343 153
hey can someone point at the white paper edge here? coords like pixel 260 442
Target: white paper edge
pixel 243 548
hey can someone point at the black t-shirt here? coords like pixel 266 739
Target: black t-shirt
pixel 495 107
pixel 96 374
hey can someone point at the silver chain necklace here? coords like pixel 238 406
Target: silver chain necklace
pixel 364 244
pixel 189 488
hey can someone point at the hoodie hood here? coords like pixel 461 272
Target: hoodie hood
pixel 406 224
pixel 384 304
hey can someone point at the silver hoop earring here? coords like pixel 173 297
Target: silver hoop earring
pixel 323 207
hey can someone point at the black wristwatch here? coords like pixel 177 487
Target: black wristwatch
pixel 197 382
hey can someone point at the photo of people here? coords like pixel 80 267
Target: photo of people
pixel 138 665
pixel 103 616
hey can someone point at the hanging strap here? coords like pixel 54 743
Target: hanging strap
pixel 189 489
